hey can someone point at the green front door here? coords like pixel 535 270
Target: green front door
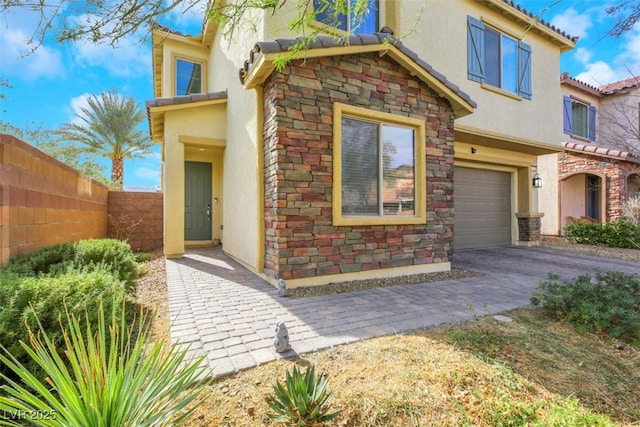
pixel 197 201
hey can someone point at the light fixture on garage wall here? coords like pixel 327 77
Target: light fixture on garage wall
pixel 537 179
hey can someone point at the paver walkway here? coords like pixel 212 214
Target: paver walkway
pixel 228 314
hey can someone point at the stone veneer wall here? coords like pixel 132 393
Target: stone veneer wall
pixel 615 171
pixel 298 107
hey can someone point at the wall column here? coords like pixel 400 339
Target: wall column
pixel 173 179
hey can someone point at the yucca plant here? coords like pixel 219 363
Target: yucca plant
pixel 106 376
pixel 302 401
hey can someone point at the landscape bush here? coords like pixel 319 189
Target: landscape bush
pixel 80 275
pixel 23 299
pixel 114 255
pixel 47 260
pixel 610 304
pixel 615 234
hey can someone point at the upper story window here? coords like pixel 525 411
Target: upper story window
pixel 579 118
pixel 188 77
pixel 498 60
pixel 348 15
pixel 379 168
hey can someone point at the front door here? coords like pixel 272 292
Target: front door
pixel 197 201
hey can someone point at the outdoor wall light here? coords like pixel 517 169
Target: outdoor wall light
pixel 537 181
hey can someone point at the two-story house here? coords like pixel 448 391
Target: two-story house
pixel 600 166
pixel 372 158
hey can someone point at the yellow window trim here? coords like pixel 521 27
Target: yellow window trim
pixel 195 60
pixel 340 110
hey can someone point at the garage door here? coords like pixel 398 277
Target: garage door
pixel 482 201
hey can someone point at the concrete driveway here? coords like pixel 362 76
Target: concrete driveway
pixel 224 312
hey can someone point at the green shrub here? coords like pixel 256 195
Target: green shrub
pixel 610 304
pixel 114 255
pixel 101 375
pixel 43 260
pixel 302 401
pixel 22 299
pixel 614 234
pixel 142 256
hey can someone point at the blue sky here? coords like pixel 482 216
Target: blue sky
pixel 50 85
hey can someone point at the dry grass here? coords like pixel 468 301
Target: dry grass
pixel 532 371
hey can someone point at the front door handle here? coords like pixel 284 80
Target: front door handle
pixel 208 211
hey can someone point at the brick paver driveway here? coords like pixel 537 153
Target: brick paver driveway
pixel 228 314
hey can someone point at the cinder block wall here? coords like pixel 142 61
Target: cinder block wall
pixel 143 213
pixel 44 201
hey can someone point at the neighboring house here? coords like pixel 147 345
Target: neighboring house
pixel 348 163
pixel 600 166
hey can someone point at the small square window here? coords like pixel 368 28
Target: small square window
pixel 346 17
pixel 188 77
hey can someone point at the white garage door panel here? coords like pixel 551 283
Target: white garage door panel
pixel 482 208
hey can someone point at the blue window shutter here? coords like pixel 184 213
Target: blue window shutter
pixel 567 105
pixel 524 70
pixel 475 50
pixel 592 123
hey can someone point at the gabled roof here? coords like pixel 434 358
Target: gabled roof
pixel 615 87
pixel 260 64
pixel 546 28
pixel 608 89
pixel 566 79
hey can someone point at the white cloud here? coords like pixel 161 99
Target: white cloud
pixel 188 15
pixel 76 104
pixel 597 74
pixel 18 61
pixel 130 57
pixel 573 22
pixel 583 55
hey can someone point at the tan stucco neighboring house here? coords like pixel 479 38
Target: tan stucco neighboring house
pixel 371 158
pixel 600 166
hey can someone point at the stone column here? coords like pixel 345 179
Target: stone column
pixel 529 225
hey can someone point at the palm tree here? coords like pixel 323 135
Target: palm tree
pixel 108 127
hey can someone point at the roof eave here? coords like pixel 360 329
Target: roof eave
pixel 263 66
pixel 565 43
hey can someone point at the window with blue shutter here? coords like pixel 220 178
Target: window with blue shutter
pixel 475 49
pixel 498 60
pixel 578 118
pixel 566 114
pixel 592 123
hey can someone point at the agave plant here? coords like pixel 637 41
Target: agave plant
pixel 106 376
pixel 302 401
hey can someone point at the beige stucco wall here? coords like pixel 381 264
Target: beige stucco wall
pixel 242 176
pixel 618 119
pixel 186 132
pixel 440 38
pixel 548 195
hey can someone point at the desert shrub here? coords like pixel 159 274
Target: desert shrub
pixel 50 259
pixel 22 299
pixel 610 304
pixel 631 210
pixel 302 400
pixel 114 255
pixel 103 374
pixel 614 234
